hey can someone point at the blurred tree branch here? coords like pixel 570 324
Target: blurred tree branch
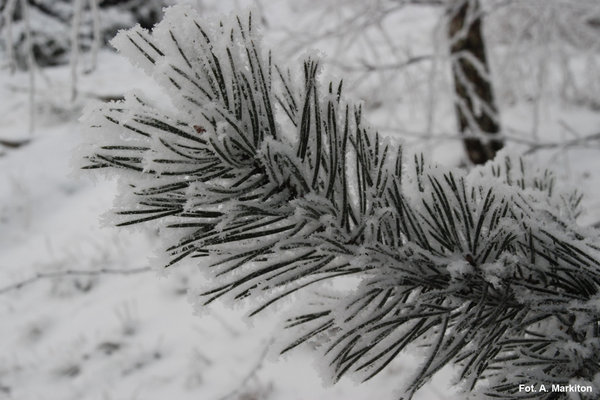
pixel 71 272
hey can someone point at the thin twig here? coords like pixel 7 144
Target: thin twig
pixel 30 65
pixel 13 144
pixel 8 18
pixel 96 35
pixel 101 97
pixel 76 22
pixel 564 144
pixel 252 373
pixel 366 66
pixel 533 144
pixel 58 274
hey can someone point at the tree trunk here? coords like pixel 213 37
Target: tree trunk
pixel 476 110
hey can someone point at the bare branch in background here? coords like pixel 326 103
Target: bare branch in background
pixel 75 24
pixel 583 141
pixel 30 65
pixel 7 17
pixel 13 144
pixel 518 137
pixel 370 67
pixel 61 274
pixel 252 373
pixel 96 35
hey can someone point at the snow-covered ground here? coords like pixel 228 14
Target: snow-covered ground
pixel 83 317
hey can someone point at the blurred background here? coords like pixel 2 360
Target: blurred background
pixel 83 314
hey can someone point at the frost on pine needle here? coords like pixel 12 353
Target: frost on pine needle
pixel 279 183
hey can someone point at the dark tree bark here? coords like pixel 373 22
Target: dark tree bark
pixel 476 110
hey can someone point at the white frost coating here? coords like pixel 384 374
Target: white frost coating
pixel 129 42
pixel 460 268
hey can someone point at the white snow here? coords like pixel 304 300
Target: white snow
pixel 136 335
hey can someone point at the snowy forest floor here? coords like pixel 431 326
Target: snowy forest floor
pixel 84 318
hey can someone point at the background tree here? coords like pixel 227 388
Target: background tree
pixel 476 109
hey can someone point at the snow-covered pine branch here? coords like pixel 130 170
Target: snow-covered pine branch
pixel 281 185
